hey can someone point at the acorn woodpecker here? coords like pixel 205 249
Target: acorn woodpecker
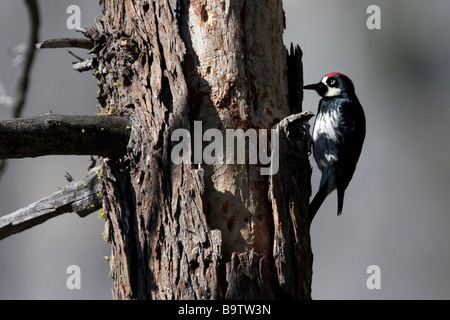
pixel 338 137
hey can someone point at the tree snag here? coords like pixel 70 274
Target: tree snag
pixel 197 230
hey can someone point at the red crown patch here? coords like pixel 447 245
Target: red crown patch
pixel 336 73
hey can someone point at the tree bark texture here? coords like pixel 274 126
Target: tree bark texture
pixel 197 231
pixel 53 134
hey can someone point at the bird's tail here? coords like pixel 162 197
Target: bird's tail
pixel 315 204
pixel 340 196
pixel 327 185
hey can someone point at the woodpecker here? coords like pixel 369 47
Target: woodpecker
pixel 338 137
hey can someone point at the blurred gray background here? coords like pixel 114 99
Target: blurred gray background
pixel 396 210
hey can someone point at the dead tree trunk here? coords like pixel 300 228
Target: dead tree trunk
pixel 197 230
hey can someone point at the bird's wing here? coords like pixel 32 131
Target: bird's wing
pixel 351 128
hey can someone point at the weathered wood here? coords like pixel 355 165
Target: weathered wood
pixel 66 43
pixel 162 245
pixel 199 231
pixel 248 277
pixel 53 134
pixel 289 192
pixel 82 197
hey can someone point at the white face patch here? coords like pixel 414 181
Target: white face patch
pixel 331 92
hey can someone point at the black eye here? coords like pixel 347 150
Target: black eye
pixel 332 82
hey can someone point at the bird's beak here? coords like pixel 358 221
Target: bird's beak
pixel 311 86
pixel 320 88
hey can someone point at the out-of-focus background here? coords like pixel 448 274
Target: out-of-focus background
pixel 33 264
pixel 396 210
pixel 397 207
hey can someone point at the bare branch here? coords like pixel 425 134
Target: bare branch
pixel 33 12
pixel 32 44
pixel 76 56
pixel 85 65
pixel 22 87
pixel 66 43
pixel 53 134
pixel 82 197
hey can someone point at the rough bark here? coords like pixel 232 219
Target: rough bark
pixel 197 231
pixel 53 134
pixel 289 192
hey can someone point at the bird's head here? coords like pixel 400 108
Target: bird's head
pixel 334 84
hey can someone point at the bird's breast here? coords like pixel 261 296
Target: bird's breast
pixel 326 125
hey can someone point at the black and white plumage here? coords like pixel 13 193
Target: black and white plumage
pixel 338 136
